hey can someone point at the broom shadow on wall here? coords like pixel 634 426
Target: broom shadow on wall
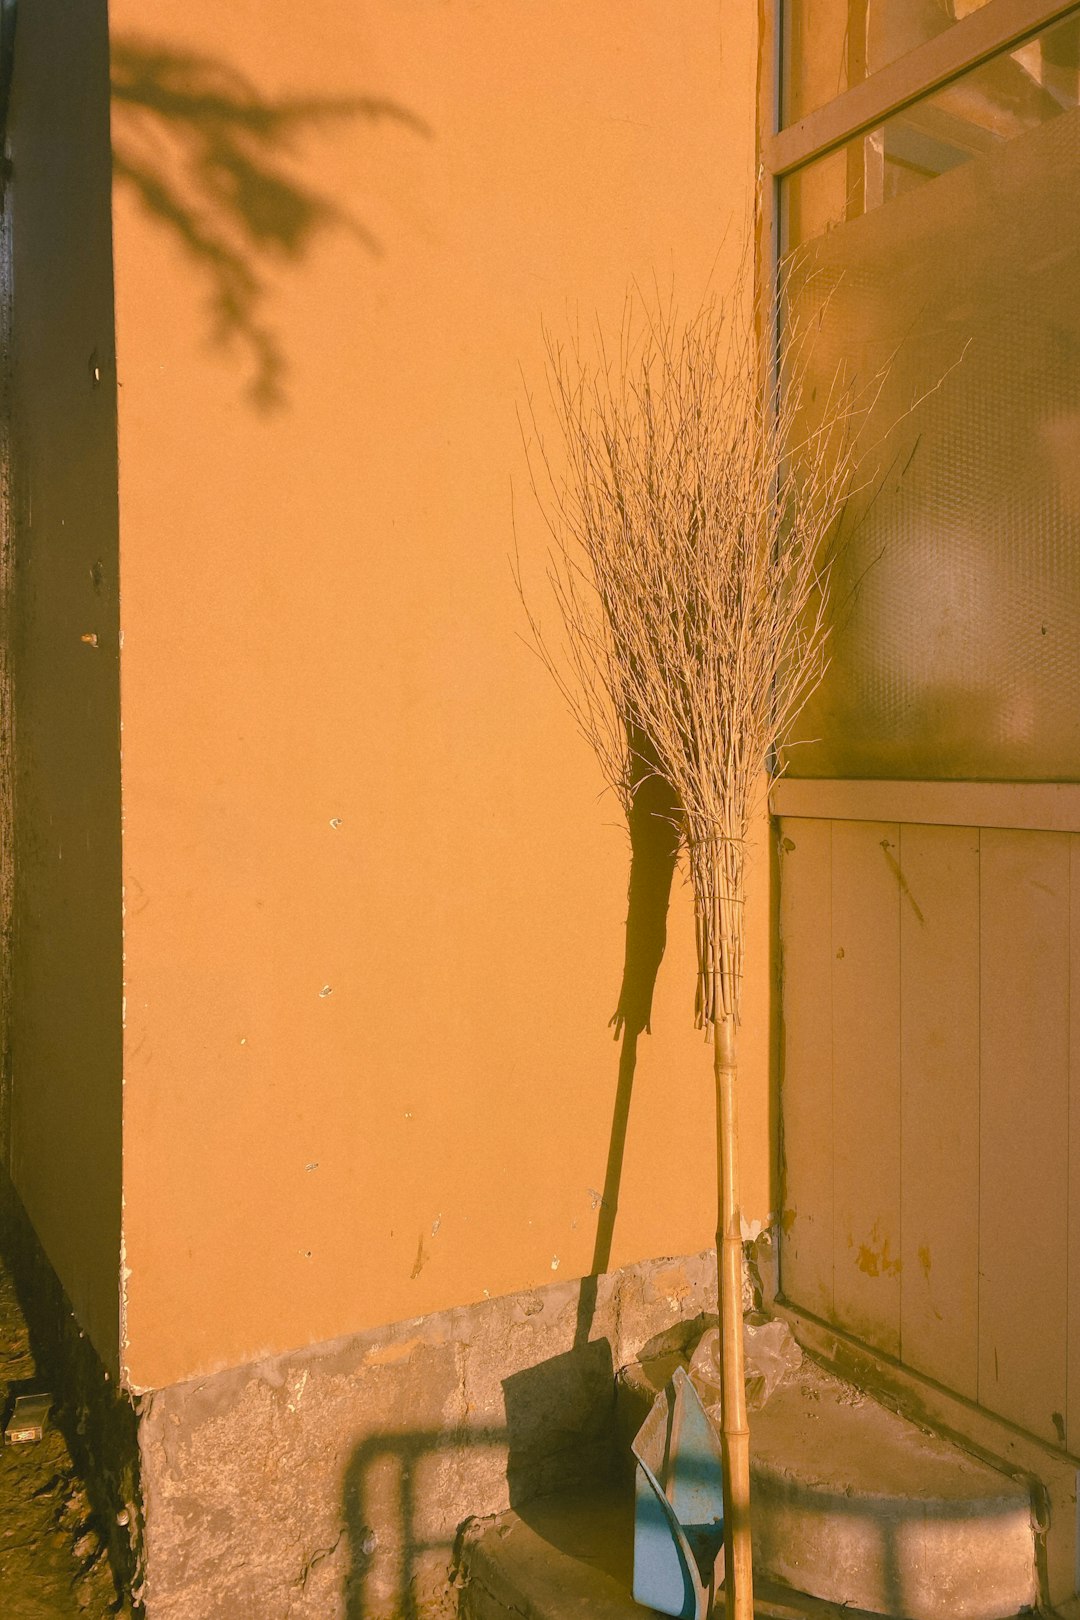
pixel 654 842
pixel 560 1417
pixel 216 164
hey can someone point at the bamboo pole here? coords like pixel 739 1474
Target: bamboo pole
pixel 735 1431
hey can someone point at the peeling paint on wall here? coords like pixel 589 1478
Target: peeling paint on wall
pixel 421 1259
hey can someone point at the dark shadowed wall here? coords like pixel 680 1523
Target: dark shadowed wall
pixel 66 969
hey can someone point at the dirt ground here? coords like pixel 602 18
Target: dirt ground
pixel 52 1563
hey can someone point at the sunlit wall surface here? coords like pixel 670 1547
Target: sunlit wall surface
pixel 941 254
pixel 375 905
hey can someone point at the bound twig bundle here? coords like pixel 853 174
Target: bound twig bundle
pixel 690 568
pixel 691 514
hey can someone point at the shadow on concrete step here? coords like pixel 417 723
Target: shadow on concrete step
pixel 900 1524
pixel 572 1554
pixel 559 1433
pixel 560 1422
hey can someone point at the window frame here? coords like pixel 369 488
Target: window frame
pixel 998 26
pixel 995 27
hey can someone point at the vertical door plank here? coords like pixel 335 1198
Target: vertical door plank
pixel 1072 1415
pixel 939 1084
pixel 1023 1224
pixel 806 1243
pixel 866 1081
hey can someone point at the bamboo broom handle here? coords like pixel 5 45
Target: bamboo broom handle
pixel 735 1432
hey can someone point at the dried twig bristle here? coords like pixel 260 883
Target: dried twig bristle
pixel 692 513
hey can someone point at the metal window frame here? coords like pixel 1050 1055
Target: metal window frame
pixel 997 26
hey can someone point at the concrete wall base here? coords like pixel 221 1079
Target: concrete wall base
pixel 1050 1473
pixel 332 1483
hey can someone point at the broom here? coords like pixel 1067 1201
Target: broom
pixel 690 566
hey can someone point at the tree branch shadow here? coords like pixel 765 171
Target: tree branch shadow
pixel 213 161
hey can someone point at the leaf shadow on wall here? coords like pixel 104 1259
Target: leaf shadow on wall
pixel 216 164
pixel 654 847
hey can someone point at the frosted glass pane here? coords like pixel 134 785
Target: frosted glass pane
pixel 829 45
pixel 956 650
pixel 972 117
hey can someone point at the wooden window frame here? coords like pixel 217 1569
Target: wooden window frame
pixel 998 26
pixel 1027 806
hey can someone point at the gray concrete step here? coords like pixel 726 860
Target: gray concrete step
pixel 853 1504
pixel 570 1557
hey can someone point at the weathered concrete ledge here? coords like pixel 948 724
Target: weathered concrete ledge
pixel 332 1483
pixel 855 1505
pixel 1049 1473
pixel 571 1558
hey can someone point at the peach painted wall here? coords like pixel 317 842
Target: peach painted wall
pixel 65 968
pixel 374 897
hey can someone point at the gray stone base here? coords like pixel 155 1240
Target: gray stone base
pixel 333 1483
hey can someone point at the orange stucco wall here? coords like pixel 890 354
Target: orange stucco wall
pixel 374 898
pixel 64 970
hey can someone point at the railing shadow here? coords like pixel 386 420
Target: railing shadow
pixel 391 1547
pixel 403 1542
pixel 213 162
pixel 401 1554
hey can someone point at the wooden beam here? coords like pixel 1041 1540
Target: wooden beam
pixel 1034 806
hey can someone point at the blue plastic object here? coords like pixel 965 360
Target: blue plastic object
pixel 678 1506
